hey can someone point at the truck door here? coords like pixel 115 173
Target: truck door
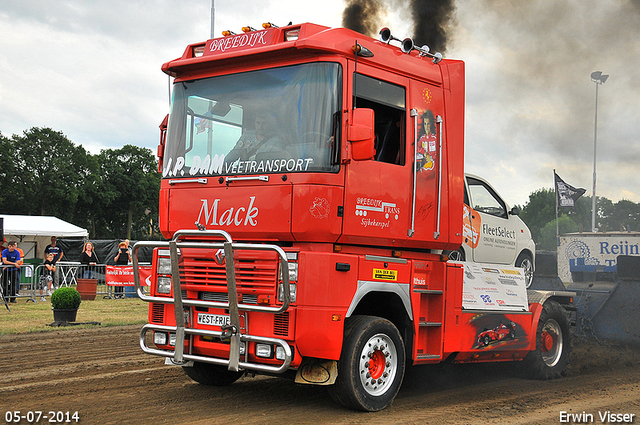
pixel 378 195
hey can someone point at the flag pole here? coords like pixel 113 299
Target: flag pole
pixel 555 189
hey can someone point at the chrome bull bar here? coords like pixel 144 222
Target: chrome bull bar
pixel 178 355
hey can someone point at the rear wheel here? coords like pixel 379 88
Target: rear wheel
pixel 371 366
pixel 210 374
pixel 550 359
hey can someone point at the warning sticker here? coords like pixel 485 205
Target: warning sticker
pixel 384 274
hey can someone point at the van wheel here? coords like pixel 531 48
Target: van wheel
pixel 211 374
pixel 455 255
pixel 525 262
pixel 371 366
pixel 550 359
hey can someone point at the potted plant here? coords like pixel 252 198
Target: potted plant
pixel 65 302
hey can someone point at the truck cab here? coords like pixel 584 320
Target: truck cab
pixel 311 177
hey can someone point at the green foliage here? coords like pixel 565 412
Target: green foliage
pixel 539 215
pixel 65 298
pixel 548 239
pixel 539 211
pixel 113 194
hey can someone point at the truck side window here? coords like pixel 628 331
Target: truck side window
pixel 388 103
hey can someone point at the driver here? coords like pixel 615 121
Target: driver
pixel 261 140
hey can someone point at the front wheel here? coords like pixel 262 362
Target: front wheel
pixel 210 374
pixel 525 262
pixel 550 359
pixel 371 366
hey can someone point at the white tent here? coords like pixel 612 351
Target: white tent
pixel 33 233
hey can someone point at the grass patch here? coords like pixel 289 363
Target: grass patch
pixel 34 317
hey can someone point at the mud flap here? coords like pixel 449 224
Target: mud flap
pixel 317 372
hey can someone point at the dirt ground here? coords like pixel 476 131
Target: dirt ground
pixel 103 375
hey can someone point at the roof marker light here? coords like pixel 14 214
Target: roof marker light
pixel 362 51
pixel 292 35
pixel 267 25
pixel 248 29
pixel 227 33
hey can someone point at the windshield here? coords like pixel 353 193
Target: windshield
pixel 259 122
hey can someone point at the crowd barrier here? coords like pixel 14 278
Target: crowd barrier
pixel 35 284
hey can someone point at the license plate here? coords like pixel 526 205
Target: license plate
pixel 213 319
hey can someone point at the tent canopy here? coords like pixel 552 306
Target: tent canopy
pixel 33 225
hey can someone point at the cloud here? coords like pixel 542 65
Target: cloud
pixel 529 90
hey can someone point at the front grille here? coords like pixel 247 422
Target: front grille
pixel 224 297
pixel 256 274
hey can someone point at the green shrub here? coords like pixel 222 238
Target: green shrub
pixel 65 298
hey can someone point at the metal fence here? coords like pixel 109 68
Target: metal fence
pixel 33 282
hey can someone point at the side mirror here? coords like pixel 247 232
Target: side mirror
pixel 163 139
pixel 361 134
pixel 515 211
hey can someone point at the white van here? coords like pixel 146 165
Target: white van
pixel 493 233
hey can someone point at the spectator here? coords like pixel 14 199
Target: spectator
pixel 46 280
pixel 54 249
pixel 127 242
pixel 20 262
pixel 57 256
pixel 10 276
pixel 122 259
pixel 89 260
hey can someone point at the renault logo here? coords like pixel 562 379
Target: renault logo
pixel 220 256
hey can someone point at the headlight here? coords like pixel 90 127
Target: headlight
pixel 164 266
pixel 280 353
pixel 264 350
pixel 293 291
pixel 163 285
pixel 160 338
pixel 293 271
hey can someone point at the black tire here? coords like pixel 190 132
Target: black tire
pixel 210 374
pixel 486 340
pixel 457 255
pixel 550 359
pixel 371 366
pixel 525 261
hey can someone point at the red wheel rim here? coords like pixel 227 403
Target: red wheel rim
pixel 547 341
pixel 376 364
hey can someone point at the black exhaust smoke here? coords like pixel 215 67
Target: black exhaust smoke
pixel 430 19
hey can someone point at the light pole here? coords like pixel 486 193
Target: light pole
pixel 597 78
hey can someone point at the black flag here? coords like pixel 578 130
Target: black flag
pixel 566 194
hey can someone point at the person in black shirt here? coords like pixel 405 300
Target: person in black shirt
pixel 122 258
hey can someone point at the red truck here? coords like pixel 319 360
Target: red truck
pixel 312 179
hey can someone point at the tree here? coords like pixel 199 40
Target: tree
pixel 548 239
pixel 539 211
pixel 624 215
pixel 128 192
pixel 8 189
pixel 48 172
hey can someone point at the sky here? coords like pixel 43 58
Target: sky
pixel 91 70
